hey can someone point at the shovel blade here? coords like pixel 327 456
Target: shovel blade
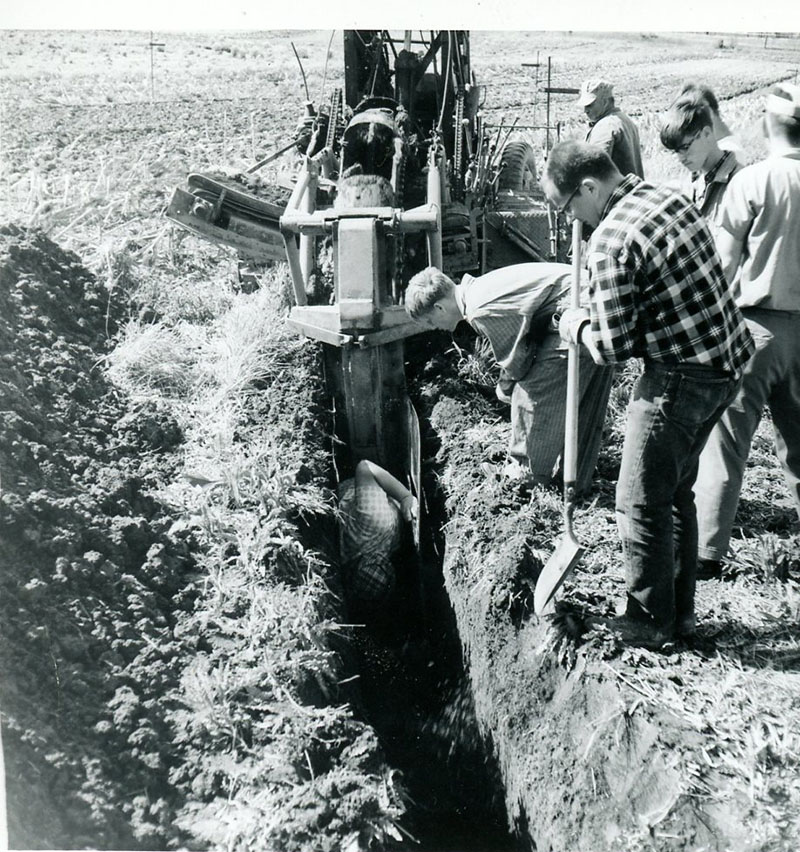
pixel 564 558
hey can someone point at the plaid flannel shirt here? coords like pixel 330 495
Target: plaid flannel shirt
pixel 657 290
pixel 371 521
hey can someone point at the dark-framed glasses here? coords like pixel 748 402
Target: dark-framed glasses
pixel 562 209
pixel 682 149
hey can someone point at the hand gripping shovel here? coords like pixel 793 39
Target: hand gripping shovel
pixel 568 552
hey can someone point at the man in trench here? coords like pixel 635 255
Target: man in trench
pixel 513 308
pixel 373 507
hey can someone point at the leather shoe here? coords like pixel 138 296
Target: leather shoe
pixel 632 631
pixel 709 569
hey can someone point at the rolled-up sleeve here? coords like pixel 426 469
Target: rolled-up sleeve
pixel 738 208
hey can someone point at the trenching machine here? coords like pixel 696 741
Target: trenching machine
pixel 398 171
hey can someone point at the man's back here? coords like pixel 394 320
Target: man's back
pixel 762 209
pixel 619 137
pixel 508 305
pixel 657 282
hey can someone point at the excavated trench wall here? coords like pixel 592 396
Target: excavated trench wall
pixel 586 763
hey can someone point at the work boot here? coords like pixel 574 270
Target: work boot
pixel 686 627
pixel 633 631
pixel 709 569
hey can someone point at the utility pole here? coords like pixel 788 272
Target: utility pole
pixel 153 45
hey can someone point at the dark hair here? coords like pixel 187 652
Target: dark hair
pixel 570 162
pixel 686 117
pixel 702 92
pixel 786 125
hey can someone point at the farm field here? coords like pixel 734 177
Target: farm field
pixel 177 670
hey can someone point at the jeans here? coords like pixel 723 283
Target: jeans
pixel 771 378
pixel 671 413
pixel 538 413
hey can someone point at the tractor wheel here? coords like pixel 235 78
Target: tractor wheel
pixel 518 166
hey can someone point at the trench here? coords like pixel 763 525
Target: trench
pixel 417 696
pixel 415 687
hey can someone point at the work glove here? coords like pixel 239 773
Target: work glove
pixel 571 324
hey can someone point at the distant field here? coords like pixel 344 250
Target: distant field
pixel 83 117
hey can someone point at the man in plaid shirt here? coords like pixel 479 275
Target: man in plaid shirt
pixel 372 508
pixel 657 292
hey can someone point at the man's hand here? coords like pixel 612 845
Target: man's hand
pixel 409 507
pixel 572 323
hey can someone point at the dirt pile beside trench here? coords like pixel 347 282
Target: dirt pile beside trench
pixel 91 575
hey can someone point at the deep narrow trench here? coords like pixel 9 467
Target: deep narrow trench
pixel 417 696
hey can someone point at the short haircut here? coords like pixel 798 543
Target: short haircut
pixel 686 117
pixel 570 162
pixel 703 92
pixel 425 289
pixel 785 126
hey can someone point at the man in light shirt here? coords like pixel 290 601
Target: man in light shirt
pixel 513 308
pixel 759 243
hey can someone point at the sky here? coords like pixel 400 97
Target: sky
pixel 161 15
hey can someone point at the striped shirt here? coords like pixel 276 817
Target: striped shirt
pixel 512 307
pixel 657 290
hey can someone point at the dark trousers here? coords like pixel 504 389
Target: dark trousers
pixel 670 416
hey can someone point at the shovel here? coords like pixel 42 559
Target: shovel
pixel 569 551
pixel 412 428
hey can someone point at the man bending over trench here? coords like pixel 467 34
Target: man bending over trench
pixel 513 308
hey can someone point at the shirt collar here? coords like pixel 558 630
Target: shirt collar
pixel 611 111
pixel 460 293
pixel 721 172
pixel 628 184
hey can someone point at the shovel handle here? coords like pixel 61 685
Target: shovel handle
pixel 573 377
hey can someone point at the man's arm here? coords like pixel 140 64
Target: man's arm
pixel 367 471
pixel 613 309
pixel 730 249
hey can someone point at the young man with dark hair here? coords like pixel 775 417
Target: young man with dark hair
pixel 610 127
pixel 656 292
pixel 722 133
pixel 759 243
pixel 688 131
pixel 513 308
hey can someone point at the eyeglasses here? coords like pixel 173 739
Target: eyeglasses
pixel 682 149
pixel 563 208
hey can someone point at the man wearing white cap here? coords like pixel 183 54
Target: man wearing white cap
pixel 759 243
pixel 610 128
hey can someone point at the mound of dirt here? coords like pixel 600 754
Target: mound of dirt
pixel 91 574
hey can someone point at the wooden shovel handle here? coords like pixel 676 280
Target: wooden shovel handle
pixel 573 378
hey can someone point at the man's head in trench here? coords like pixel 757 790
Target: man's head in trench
pixel 431 300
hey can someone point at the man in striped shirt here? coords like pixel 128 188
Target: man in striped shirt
pixel 513 308
pixel 656 292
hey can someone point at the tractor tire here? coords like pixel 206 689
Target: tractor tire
pixel 518 166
